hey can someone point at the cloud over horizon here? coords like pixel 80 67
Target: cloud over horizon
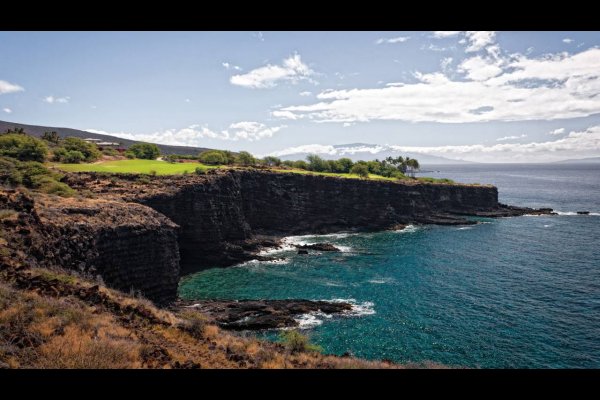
pixel 291 70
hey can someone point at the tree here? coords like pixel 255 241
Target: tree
pixel 345 164
pixel 300 164
pixel 361 170
pixel 23 147
pixel 245 158
pixel 213 157
pixel 412 166
pixel 145 151
pixel 89 150
pixel 271 161
pixel 230 157
pixel 15 130
pixel 316 163
pixel 51 137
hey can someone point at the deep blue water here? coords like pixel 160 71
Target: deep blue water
pixel 519 292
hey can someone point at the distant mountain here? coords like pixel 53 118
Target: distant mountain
pixel 588 160
pixel 368 152
pixel 38 131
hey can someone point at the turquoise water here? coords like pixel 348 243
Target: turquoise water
pixel 514 292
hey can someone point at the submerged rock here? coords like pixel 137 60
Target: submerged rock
pixel 316 246
pixel 583 212
pixel 302 251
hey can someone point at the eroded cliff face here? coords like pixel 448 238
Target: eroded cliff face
pixel 220 213
pixel 129 245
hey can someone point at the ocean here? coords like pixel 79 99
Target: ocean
pixel 520 292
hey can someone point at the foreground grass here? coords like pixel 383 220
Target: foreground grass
pixel 135 167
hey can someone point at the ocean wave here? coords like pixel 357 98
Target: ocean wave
pixel 408 229
pixel 316 318
pixel 278 261
pixel 575 213
pixel 290 242
pixel 380 281
pixel 464 228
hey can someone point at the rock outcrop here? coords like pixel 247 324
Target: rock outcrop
pixel 263 314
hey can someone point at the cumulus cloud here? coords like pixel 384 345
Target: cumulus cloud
pixel 511 88
pixel 399 39
pixel 445 34
pixel 195 134
pixel 7 87
pixel 7 110
pixel 584 143
pixel 305 94
pixel 567 40
pixel 307 148
pixel 52 99
pixel 558 131
pixel 291 70
pixel 479 39
pixel 229 66
pixel 514 137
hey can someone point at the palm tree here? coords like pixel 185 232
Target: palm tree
pixel 412 165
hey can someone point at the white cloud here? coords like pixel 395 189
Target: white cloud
pixel 305 94
pixel 580 144
pixel 7 87
pixel 52 99
pixel 445 63
pixel 7 110
pixel 292 70
pixel 194 135
pixel 558 131
pixel 399 39
pixel 229 66
pixel 545 88
pixel 567 40
pixel 480 69
pixel 479 39
pixel 514 137
pixel 347 124
pixel 307 148
pixel 259 36
pixel 445 34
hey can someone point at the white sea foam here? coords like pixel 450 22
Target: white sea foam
pixel 464 228
pixel 547 226
pixel 380 281
pixel 574 213
pixel 409 229
pixel 312 319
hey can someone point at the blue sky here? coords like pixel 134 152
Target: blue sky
pixel 480 96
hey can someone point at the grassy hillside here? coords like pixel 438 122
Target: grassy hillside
pixel 38 131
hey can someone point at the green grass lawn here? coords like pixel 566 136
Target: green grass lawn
pixel 165 168
pixel 134 167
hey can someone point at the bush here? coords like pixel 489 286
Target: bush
pixel 130 155
pixel 89 150
pixel 23 147
pixel 295 342
pixel 51 137
pixel 361 170
pixel 245 158
pixel 317 164
pixel 213 157
pixel 271 161
pixel 145 151
pixel 301 165
pixel 345 165
pixel 33 175
pixel 171 158
pixel 200 171
pixel 110 152
pixel 73 157
pixel 152 172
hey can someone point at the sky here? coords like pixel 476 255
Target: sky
pixel 473 95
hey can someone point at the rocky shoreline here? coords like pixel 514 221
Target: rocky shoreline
pixel 239 315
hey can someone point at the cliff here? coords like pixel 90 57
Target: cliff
pixel 223 216
pixel 128 245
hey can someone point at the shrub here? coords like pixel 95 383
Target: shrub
pixel 89 150
pixel 288 163
pixel 145 151
pixel 245 158
pixel 345 165
pixel 361 170
pixel 271 161
pixel 213 157
pixel 171 158
pixel 130 155
pixel 230 156
pixel 73 157
pixel 110 152
pixel 200 171
pixel 51 137
pixel 50 186
pixel 59 154
pixel 23 147
pixel 301 164
pixel 152 172
pixel 295 342
pixel 317 164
